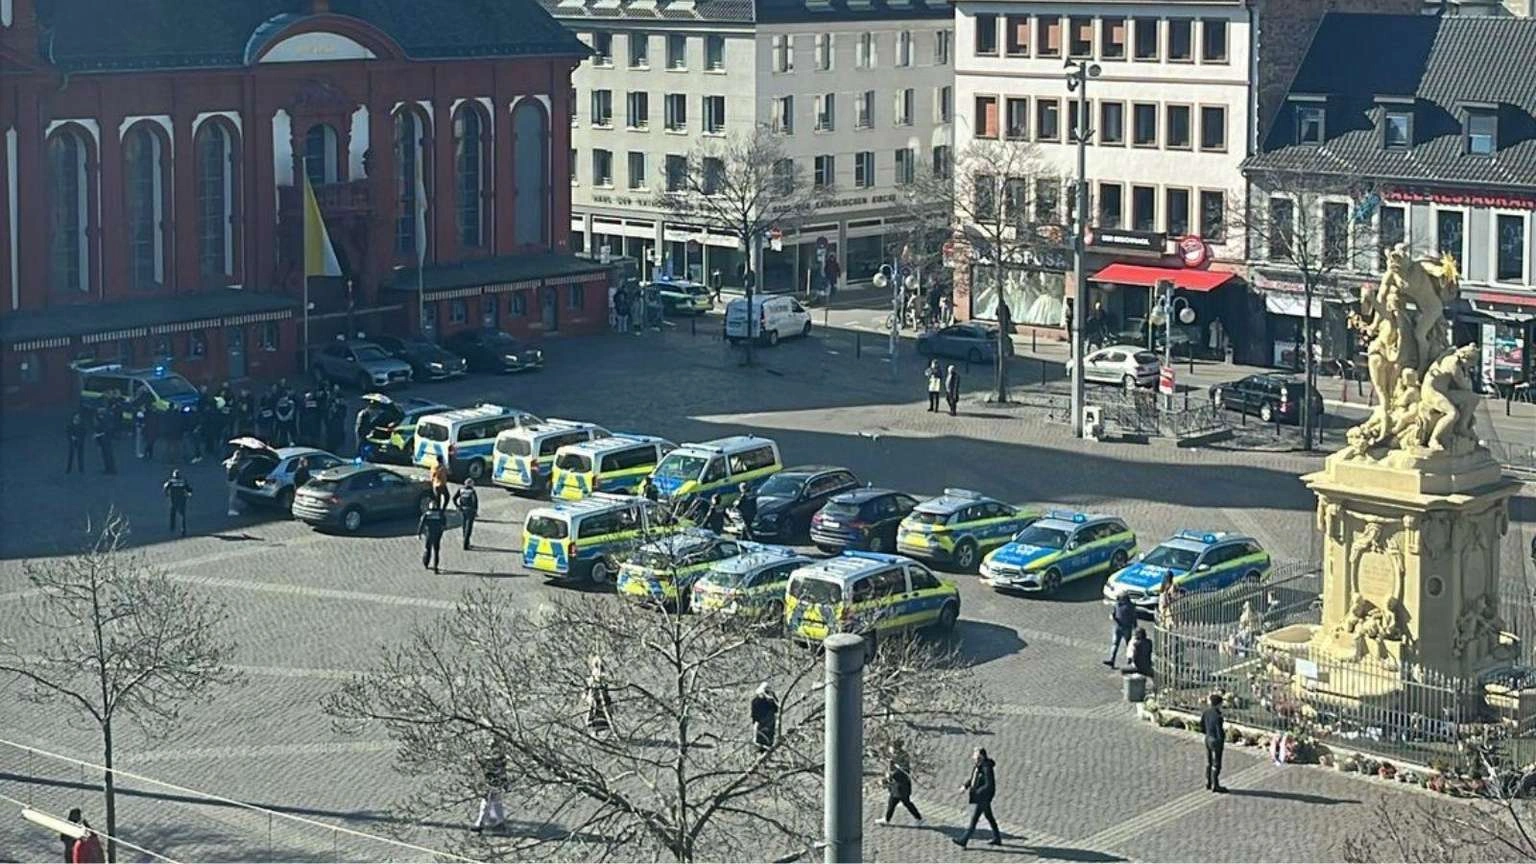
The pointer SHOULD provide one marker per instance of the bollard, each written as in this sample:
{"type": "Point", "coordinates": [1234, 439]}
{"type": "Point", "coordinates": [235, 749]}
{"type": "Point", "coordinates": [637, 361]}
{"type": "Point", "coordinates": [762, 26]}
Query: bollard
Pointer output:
{"type": "Point", "coordinates": [842, 789]}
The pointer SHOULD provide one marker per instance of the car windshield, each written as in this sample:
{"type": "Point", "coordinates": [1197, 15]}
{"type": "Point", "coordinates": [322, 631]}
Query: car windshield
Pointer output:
{"type": "Point", "coordinates": [840, 511]}
{"type": "Point", "coordinates": [783, 485]}
{"type": "Point", "coordinates": [923, 517]}
{"type": "Point", "coordinates": [573, 462]}
{"type": "Point", "coordinates": [659, 559]}
{"type": "Point", "coordinates": [1172, 557]}
{"type": "Point", "coordinates": [1145, 357]}
{"type": "Point", "coordinates": [501, 341]}
{"type": "Point", "coordinates": [172, 386]}
{"type": "Point", "coordinates": [432, 431]}
{"type": "Point", "coordinates": [681, 466]}
{"type": "Point", "coordinates": [1043, 536]}
{"type": "Point", "coordinates": [512, 446]}
{"type": "Point", "coordinates": [547, 526]}
{"type": "Point", "coordinates": [817, 591]}
{"type": "Point", "coordinates": [370, 354]}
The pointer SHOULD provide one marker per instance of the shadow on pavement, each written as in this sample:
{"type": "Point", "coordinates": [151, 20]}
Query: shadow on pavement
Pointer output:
{"type": "Point", "coordinates": [1067, 853]}
{"type": "Point", "coordinates": [1301, 797]}
{"type": "Point", "coordinates": [982, 642]}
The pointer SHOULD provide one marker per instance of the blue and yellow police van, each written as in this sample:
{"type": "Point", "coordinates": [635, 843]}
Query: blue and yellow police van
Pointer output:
{"type": "Point", "coordinates": [1058, 548]}
{"type": "Point", "coordinates": [525, 456]}
{"type": "Point", "coordinates": [619, 463]}
{"type": "Point", "coordinates": [464, 439]}
{"type": "Point", "coordinates": [698, 471]}
{"type": "Point", "coordinates": [586, 540]}
{"type": "Point", "coordinates": [955, 529]}
{"type": "Point", "coordinates": [749, 587]}
{"type": "Point", "coordinates": [1198, 560]}
{"type": "Point", "coordinates": [868, 593]}
{"type": "Point", "coordinates": [663, 571]}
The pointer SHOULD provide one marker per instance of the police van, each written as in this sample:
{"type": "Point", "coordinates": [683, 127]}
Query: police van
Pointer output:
{"type": "Point", "coordinates": [584, 540]}
{"type": "Point", "coordinates": [618, 463]}
{"type": "Point", "coordinates": [525, 456]}
{"type": "Point", "coordinates": [163, 388]}
{"type": "Point", "coordinates": [695, 471]}
{"type": "Point", "coordinates": [868, 593]}
{"type": "Point", "coordinates": [465, 439]}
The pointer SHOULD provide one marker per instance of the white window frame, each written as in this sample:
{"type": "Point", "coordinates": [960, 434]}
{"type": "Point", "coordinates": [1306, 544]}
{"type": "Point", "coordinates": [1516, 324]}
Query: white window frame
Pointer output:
{"type": "Point", "coordinates": [866, 51]}
{"type": "Point", "coordinates": [905, 104]}
{"type": "Point", "coordinates": [826, 51]}
{"type": "Point", "coordinates": [864, 110]}
{"type": "Point", "coordinates": [783, 53]}
{"type": "Point", "coordinates": [943, 104]}
{"type": "Point", "coordinates": [903, 49]}
{"type": "Point", "coordinates": [720, 126]}
{"type": "Point", "coordinates": [784, 114]}
{"type": "Point", "coordinates": [943, 46]}
{"type": "Point", "coordinates": [1351, 253]}
{"type": "Point", "coordinates": [683, 55]}
{"type": "Point", "coordinates": [1376, 230]}
{"type": "Point", "coordinates": [826, 112]}
{"type": "Point", "coordinates": [668, 118]}
{"type": "Point", "coordinates": [633, 183]}
{"type": "Point", "coordinates": [634, 40]}
{"type": "Point", "coordinates": [1466, 231]}
{"type": "Point", "coordinates": [597, 180]}
{"type": "Point", "coordinates": [831, 178]}
{"type": "Point", "coordinates": [629, 111]}
{"type": "Point", "coordinates": [864, 169]}
{"type": "Point", "coordinates": [1493, 247]}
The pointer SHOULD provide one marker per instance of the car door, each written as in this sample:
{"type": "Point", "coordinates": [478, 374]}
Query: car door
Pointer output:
{"type": "Point", "coordinates": [1209, 575]}
{"type": "Point", "coordinates": [894, 509]}
{"type": "Point", "coordinates": [399, 492]}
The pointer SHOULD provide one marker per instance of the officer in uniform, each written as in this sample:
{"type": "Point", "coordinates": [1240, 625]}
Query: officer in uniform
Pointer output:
{"type": "Point", "coordinates": [103, 435]}
{"type": "Point", "coordinates": [75, 432]}
{"type": "Point", "coordinates": [746, 508]}
{"type": "Point", "coordinates": [468, 502]}
{"type": "Point", "coordinates": [335, 424]}
{"type": "Point", "coordinates": [430, 529]}
{"type": "Point", "coordinates": [177, 491]}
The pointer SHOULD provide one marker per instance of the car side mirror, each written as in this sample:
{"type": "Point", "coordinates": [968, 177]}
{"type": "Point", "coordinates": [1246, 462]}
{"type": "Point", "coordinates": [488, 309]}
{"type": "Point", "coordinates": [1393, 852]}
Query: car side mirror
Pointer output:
{"type": "Point", "coordinates": [1202, 568]}
{"type": "Point", "coordinates": [1071, 544]}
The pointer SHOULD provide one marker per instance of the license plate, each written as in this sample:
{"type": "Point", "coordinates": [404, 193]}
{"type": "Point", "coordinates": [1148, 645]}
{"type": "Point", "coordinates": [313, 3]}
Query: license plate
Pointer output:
{"type": "Point", "coordinates": [828, 523]}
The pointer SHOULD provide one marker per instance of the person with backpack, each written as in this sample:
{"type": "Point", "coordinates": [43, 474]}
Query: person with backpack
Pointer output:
{"type": "Point", "coordinates": [468, 502]}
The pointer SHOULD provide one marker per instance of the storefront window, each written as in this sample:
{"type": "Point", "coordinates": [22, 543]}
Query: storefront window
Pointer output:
{"type": "Point", "coordinates": [1034, 296]}
{"type": "Point", "coordinates": [1503, 346]}
{"type": "Point", "coordinates": [865, 255]}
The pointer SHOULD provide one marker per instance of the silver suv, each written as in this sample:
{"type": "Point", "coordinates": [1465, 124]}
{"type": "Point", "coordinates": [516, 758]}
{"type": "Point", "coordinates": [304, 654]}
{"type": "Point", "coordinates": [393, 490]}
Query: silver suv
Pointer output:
{"type": "Point", "coordinates": [362, 364]}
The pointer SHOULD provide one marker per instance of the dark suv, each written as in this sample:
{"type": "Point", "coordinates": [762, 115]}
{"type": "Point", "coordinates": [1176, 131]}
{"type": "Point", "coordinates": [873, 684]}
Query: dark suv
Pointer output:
{"type": "Point", "coordinates": [1269, 396]}
{"type": "Point", "coordinates": [861, 519]}
{"type": "Point", "coordinates": [787, 501]}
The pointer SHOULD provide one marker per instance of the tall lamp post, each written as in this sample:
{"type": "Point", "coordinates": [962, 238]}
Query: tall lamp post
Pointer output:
{"type": "Point", "coordinates": [1168, 308]}
{"type": "Point", "coordinates": [1078, 73]}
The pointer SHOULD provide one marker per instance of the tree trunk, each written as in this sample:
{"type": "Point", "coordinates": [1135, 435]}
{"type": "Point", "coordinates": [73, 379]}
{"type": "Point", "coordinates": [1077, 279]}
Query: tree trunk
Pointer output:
{"type": "Point", "coordinates": [110, 786]}
{"type": "Point", "coordinates": [754, 267]}
{"type": "Point", "coordinates": [1004, 337]}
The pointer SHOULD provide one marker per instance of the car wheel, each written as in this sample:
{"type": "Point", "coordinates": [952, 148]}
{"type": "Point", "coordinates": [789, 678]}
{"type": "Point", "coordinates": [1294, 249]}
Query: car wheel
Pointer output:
{"type": "Point", "coordinates": [1117, 561]}
{"type": "Point", "coordinates": [1129, 381]}
{"type": "Point", "coordinates": [1252, 577]}
{"type": "Point", "coordinates": [948, 615]}
{"type": "Point", "coordinates": [973, 356]}
{"type": "Point", "coordinates": [601, 573]}
{"type": "Point", "coordinates": [876, 543]}
{"type": "Point", "coordinates": [965, 555]}
{"type": "Point", "coordinates": [476, 469]}
{"type": "Point", "coordinates": [773, 337]}
{"type": "Point", "coordinates": [1052, 582]}
{"type": "Point", "coordinates": [806, 330]}
{"type": "Point", "coordinates": [285, 500]}
{"type": "Point", "coordinates": [1267, 412]}
{"type": "Point", "coordinates": [351, 519]}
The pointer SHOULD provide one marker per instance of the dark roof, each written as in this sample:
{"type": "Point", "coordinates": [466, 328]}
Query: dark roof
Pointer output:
{"type": "Point", "coordinates": [104, 35]}
{"type": "Point", "coordinates": [747, 11]}
{"type": "Point", "coordinates": [219, 307]}
{"type": "Point", "coordinates": [1439, 64]}
{"type": "Point", "coordinates": [494, 271]}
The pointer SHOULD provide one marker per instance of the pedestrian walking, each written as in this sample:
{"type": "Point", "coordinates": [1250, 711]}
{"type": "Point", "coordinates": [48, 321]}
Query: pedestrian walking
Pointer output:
{"type": "Point", "coordinates": [898, 785]}
{"type": "Point", "coordinates": [1123, 617]}
{"type": "Point", "coordinates": [980, 790]}
{"type": "Point", "coordinates": [935, 385]}
{"type": "Point", "coordinates": [746, 508]}
{"type": "Point", "coordinates": [69, 839]}
{"type": "Point", "coordinates": [648, 489]}
{"type": "Point", "coordinates": [952, 388]}
{"type": "Point", "coordinates": [468, 502]}
{"type": "Point", "coordinates": [177, 491]}
{"type": "Point", "coordinates": [440, 485]}
{"type": "Point", "coordinates": [598, 699]}
{"type": "Point", "coordinates": [621, 310]}
{"type": "Point", "coordinates": [232, 467]}
{"type": "Point", "coordinates": [765, 717]}
{"type": "Point", "coordinates": [74, 434]}
{"type": "Point", "coordinates": [1141, 654]}
{"type": "Point", "coordinates": [103, 436]}
{"type": "Point", "coordinates": [1214, 725]}
{"type": "Point", "coordinates": [493, 813]}
{"type": "Point", "coordinates": [430, 529]}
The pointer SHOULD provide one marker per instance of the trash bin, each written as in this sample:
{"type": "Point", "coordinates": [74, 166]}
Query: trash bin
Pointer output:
{"type": "Point", "coordinates": [1135, 688]}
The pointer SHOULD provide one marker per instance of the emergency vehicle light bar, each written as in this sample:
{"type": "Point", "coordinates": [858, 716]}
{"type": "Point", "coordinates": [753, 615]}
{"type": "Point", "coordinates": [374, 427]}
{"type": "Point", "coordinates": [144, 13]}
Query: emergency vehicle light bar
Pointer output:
{"type": "Point", "coordinates": [1201, 536]}
{"type": "Point", "coordinates": [1066, 515]}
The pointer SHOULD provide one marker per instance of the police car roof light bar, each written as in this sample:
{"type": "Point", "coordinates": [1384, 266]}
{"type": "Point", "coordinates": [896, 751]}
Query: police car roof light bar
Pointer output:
{"type": "Point", "coordinates": [1066, 515]}
{"type": "Point", "coordinates": [1202, 536]}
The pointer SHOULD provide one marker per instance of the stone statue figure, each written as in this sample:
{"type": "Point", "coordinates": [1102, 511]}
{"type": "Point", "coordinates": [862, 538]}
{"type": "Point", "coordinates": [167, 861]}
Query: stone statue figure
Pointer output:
{"type": "Point", "coordinates": [1447, 403]}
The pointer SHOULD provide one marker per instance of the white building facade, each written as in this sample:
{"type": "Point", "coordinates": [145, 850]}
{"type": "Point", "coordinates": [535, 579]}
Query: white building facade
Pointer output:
{"type": "Point", "coordinates": [860, 92]}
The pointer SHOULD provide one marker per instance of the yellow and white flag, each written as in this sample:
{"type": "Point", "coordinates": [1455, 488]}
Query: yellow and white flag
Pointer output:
{"type": "Point", "coordinates": [319, 254]}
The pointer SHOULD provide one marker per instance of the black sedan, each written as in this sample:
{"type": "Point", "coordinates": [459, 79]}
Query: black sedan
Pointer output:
{"type": "Point", "coordinates": [494, 351]}
{"type": "Point", "coordinates": [861, 519]}
{"type": "Point", "coordinates": [1271, 397]}
{"type": "Point", "coordinates": [787, 501]}
{"type": "Point", "coordinates": [973, 343]}
{"type": "Point", "coordinates": [429, 362]}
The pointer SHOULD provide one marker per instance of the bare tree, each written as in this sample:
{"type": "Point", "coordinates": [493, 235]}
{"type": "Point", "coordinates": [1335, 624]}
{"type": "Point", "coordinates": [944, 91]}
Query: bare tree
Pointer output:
{"type": "Point", "coordinates": [653, 757]}
{"type": "Point", "coordinates": [989, 197]}
{"type": "Point", "coordinates": [111, 635]}
{"type": "Point", "coordinates": [1314, 225]}
{"type": "Point", "coordinates": [741, 186]}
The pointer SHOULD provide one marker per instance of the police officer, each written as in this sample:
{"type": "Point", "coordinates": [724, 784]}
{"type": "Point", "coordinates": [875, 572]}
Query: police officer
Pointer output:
{"type": "Point", "coordinates": [335, 424]}
{"type": "Point", "coordinates": [103, 435]}
{"type": "Point", "coordinates": [746, 508]}
{"type": "Point", "coordinates": [244, 415]}
{"type": "Point", "coordinates": [309, 417]}
{"type": "Point", "coordinates": [430, 529]}
{"type": "Point", "coordinates": [75, 432]}
{"type": "Point", "coordinates": [648, 489]}
{"type": "Point", "coordinates": [468, 502]}
{"type": "Point", "coordinates": [211, 406]}
{"type": "Point", "coordinates": [177, 491]}
{"type": "Point", "coordinates": [264, 414]}
{"type": "Point", "coordinates": [714, 514]}
{"type": "Point", "coordinates": [285, 413]}
{"type": "Point", "coordinates": [366, 417]}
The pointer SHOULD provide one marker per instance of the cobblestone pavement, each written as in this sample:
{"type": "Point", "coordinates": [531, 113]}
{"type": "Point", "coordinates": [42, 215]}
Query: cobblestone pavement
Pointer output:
{"type": "Point", "coordinates": [1079, 778]}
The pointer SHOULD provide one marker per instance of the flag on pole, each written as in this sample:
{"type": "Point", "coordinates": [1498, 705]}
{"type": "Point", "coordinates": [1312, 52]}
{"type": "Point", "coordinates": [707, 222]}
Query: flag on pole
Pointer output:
{"type": "Point", "coordinates": [319, 254]}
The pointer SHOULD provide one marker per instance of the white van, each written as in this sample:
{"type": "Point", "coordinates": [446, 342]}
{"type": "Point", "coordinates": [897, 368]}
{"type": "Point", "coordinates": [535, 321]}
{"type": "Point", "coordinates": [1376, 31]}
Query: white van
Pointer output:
{"type": "Point", "coordinates": [525, 456]}
{"type": "Point", "coordinates": [465, 439]}
{"type": "Point", "coordinates": [771, 318]}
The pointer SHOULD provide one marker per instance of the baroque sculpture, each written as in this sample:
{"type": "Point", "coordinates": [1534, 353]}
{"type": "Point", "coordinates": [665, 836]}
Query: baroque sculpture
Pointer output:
{"type": "Point", "coordinates": [1425, 385]}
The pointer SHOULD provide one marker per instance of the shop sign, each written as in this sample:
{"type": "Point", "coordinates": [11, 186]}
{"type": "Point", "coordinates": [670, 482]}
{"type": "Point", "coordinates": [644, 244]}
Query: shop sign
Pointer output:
{"type": "Point", "coordinates": [1165, 380]}
{"type": "Point", "coordinates": [1453, 198]}
{"type": "Point", "coordinates": [1193, 251]}
{"type": "Point", "coordinates": [1144, 241]}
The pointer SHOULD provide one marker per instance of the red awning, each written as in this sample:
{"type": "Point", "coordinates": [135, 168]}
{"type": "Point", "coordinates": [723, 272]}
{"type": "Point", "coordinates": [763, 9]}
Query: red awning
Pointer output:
{"type": "Point", "coordinates": [1138, 274]}
{"type": "Point", "coordinates": [1498, 297]}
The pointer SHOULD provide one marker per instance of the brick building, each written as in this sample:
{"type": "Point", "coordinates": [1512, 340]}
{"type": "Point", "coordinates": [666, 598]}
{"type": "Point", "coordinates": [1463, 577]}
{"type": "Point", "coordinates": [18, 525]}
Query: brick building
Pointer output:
{"type": "Point", "coordinates": [148, 157]}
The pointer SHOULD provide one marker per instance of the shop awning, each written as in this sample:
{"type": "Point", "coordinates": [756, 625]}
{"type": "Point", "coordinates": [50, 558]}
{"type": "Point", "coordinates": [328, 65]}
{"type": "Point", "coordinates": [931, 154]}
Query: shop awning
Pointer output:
{"type": "Point", "coordinates": [1525, 302]}
{"type": "Point", "coordinates": [1291, 304]}
{"type": "Point", "coordinates": [1148, 277]}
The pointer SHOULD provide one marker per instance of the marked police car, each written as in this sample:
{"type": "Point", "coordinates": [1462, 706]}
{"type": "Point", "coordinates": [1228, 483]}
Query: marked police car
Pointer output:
{"type": "Point", "coordinates": [956, 528]}
{"type": "Point", "coordinates": [867, 593]}
{"type": "Point", "coordinates": [749, 586]}
{"type": "Point", "coordinates": [664, 570]}
{"type": "Point", "coordinates": [1060, 547]}
{"type": "Point", "coordinates": [1199, 561]}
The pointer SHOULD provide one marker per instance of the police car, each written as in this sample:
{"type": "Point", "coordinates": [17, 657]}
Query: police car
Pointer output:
{"type": "Point", "coordinates": [867, 593]}
{"type": "Point", "coordinates": [749, 586]}
{"type": "Point", "coordinates": [956, 528]}
{"type": "Point", "coordinates": [664, 570]}
{"type": "Point", "coordinates": [1060, 547]}
{"type": "Point", "coordinates": [163, 388]}
{"type": "Point", "coordinates": [1198, 560]}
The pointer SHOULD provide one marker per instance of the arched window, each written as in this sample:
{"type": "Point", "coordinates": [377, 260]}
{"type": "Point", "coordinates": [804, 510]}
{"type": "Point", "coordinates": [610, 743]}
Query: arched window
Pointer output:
{"type": "Point", "coordinates": [321, 161]}
{"type": "Point", "coordinates": [469, 171]}
{"type": "Point", "coordinates": [411, 170]}
{"type": "Point", "coordinates": [69, 216]}
{"type": "Point", "coordinates": [530, 168]}
{"type": "Point", "coordinates": [144, 205]}
{"type": "Point", "coordinates": [216, 173]}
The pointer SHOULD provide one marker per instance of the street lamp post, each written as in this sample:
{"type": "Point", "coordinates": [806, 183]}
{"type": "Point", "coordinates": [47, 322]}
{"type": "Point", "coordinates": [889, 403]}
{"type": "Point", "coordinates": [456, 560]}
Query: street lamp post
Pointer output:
{"type": "Point", "coordinates": [1078, 74]}
{"type": "Point", "coordinates": [1167, 309]}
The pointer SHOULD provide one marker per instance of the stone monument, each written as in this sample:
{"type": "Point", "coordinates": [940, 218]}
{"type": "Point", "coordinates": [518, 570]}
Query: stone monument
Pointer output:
{"type": "Point", "coordinates": [1412, 510]}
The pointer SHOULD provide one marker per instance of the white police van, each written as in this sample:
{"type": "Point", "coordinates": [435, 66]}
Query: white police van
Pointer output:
{"type": "Point", "coordinates": [464, 439]}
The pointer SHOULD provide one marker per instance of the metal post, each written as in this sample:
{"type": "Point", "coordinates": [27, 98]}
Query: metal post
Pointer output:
{"type": "Point", "coordinates": [896, 309]}
{"type": "Point", "coordinates": [1311, 374]}
{"type": "Point", "coordinates": [306, 322]}
{"type": "Point", "coordinates": [1168, 336]}
{"type": "Point", "coordinates": [842, 792]}
{"type": "Point", "coordinates": [1079, 77]}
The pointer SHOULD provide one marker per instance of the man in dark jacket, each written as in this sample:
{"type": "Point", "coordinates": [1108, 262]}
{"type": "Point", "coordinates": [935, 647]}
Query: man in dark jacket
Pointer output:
{"type": "Point", "coordinates": [1215, 728]}
{"type": "Point", "coordinates": [1124, 618]}
{"type": "Point", "coordinates": [285, 412]}
{"type": "Point", "coordinates": [765, 717]}
{"type": "Point", "coordinates": [746, 508]}
{"type": "Point", "coordinates": [103, 435]}
{"type": "Point", "coordinates": [952, 388]}
{"type": "Point", "coordinates": [75, 433]}
{"type": "Point", "coordinates": [898, 786]}
{"type": "Point", "coordinates": [335, 423]}
{"type": "Point", "coordinates": [648, 489]}
{"type": "Point", "coordinates": [1141, 654]}
{"type": "Point", "coordinates": [177, 491]}
{"type": "Point", "coordinates": [714, 514]}
{"type": "Point", "coordinates": [981, 788]}
{"type": "Point", "coordinates": [468, 502]}
{"type": "Point", "coordinates": [367, 417]}
{"type": "Point", "coordinates": [430, 529]}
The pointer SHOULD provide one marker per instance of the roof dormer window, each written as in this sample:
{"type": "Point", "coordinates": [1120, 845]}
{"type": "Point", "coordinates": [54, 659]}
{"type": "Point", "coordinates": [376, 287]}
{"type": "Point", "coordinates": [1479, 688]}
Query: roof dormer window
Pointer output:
{"type": "Point", "coordinates": [1482, 132]}
{"type": "Point", "coordinates": [1397, 128]}
{"type": "Point", "coordinates": [1309, 123]}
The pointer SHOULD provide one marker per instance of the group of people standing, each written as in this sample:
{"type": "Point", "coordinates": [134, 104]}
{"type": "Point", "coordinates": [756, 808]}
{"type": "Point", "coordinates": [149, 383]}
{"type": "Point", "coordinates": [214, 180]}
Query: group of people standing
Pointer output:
{"type": "Point", "coordinates": [945, 383]}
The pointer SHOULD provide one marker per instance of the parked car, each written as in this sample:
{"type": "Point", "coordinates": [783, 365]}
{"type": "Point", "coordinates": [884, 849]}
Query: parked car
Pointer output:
{"type": "Point", "coordinates": [1126, 365]}
{"type": "Point", "coordinates": [770, 319]}
{"type": "Point", "coordinates": [973, 343]}
{"type": "Point", "coordinates": [428, 360]}
{"type": "Point", "coordinates": [350, 496]}
{"type": "Point", "coordinates": [787, 501]}
{"type": "Point", "coordinates": [363, 364]}
{"type": "Point", "coordinates": [864, 519]}
{"type": "Point", "coordinates": [269, 477]}
{"type": "Point", "coordinates": [681, 297]}
{"type": "Point", "coordinates": [1270, 396]}
{"type": "Point", "coordinates": [489, 350]}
